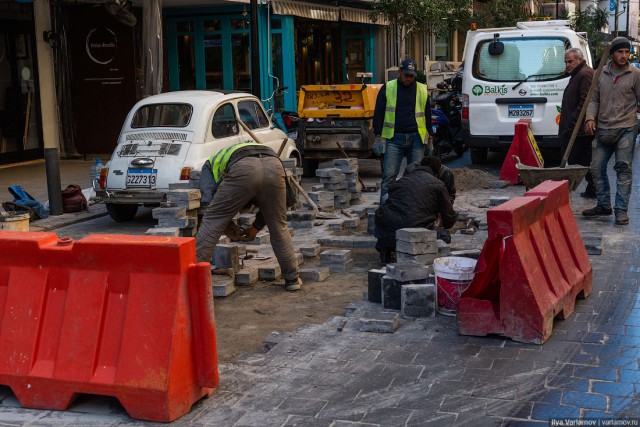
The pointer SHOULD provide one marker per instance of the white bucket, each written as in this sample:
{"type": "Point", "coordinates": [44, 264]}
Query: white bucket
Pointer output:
{"type": "Point", "coordinates": [453, 276]}
{"type": "Point", "coordinates": [14, 221]}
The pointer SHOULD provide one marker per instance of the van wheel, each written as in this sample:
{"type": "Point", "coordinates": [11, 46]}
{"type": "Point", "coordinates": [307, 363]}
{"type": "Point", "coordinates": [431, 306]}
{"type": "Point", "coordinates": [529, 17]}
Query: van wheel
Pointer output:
{"type": "Point", "coordinates": [309, 167]}
{"type": "Point", "coordinates": [121, 213]}
{"type": "Point", "coordinates": [479, 156]}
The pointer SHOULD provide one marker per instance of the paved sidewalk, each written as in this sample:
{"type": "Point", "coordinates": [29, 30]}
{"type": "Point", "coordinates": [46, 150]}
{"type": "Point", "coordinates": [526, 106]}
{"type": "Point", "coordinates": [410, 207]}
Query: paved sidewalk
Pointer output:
{"type": "Point", "coordinates": [425, 373]}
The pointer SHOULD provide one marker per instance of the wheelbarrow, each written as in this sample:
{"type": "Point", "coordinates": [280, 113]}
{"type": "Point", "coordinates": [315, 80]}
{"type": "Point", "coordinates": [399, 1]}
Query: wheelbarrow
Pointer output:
{"type": "Point", "coordinates": [532, 176]}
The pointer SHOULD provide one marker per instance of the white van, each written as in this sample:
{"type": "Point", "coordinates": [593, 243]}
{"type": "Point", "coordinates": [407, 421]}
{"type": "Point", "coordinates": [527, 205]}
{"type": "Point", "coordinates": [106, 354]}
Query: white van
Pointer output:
{"type": "Point", "coordinates": [514, 73]}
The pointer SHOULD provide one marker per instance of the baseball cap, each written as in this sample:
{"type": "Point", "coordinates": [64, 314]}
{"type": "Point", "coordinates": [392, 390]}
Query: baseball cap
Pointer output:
{"type": "Point", "coordinates": [409, 67]}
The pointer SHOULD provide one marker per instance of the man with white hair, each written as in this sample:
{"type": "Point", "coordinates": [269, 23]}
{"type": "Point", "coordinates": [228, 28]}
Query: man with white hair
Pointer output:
{"type": "Point", "coordinates": [572, 102]}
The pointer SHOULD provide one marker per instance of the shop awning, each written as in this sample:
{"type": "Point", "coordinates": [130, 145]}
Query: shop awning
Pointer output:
{"type": "Point", "coordinates": [359, 15]}
{"type": "Point", "coordinates": [305, 10]}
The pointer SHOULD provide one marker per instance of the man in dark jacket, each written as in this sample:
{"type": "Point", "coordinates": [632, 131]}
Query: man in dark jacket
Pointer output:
{"type": "Point", "coordinates": [415, 201]}
{"type": "Point", "coordinates": [443, 173]}
{"type": "Point", "coordinates": [572, 102]}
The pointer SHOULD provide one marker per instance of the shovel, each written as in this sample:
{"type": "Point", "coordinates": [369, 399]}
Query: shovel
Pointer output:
{"type": "Point", "coordinates": [532, 176]}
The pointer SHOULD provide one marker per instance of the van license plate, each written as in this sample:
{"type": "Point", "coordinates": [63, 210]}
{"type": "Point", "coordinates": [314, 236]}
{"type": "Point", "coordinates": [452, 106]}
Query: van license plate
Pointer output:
{"type": "Point", "coordinates": [141, 178]}
{"type": "Point", "coordinates": [519, 111]}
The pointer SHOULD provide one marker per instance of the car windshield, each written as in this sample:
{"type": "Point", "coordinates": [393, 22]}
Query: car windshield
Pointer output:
{"type": "Point", "coordinates": [532, 59]}
{"type": "Point", "coordinates": [165, 115]}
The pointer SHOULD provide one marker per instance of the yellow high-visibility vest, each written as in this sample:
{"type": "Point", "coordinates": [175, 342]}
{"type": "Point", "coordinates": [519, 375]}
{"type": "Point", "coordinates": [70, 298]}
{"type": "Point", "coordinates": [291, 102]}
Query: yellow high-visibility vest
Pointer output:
{"type": "Point", "coordinates": [388, 127]}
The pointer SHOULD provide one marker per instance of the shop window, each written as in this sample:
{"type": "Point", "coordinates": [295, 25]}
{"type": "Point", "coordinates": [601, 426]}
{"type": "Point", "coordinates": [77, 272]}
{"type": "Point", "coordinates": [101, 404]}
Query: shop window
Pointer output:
{"type": "Point", "coordinates": [213, 61]}
{"type": "Point", "coordinates": [240, 57]}
{"type": "Point", "coordinates": [186, 62]}
{"type": "Point", "coordinates": [442, 48]}
{"type": "Point", "coordinates": [239, 24]}
{"type": "Point", "coordinates": [214, 25]}
{"type": "Point", "coordinates": [184, 27]}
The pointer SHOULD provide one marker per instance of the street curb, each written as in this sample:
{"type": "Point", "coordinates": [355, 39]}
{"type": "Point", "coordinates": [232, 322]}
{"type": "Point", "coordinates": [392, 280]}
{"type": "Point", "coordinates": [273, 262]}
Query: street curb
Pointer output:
{"type": "Point", "coordinates": [59, 221]}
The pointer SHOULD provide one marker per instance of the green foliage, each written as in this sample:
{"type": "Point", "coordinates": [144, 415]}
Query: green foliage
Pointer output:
{"type": "Point", "coordinates": [591, 21]}
{"type": "Point", "coordinates": [503, 13]}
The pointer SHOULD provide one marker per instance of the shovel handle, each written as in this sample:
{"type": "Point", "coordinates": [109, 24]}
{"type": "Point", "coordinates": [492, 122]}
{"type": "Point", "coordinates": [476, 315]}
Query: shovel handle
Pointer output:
{"type": "Point", "coordinates": [585, 104]}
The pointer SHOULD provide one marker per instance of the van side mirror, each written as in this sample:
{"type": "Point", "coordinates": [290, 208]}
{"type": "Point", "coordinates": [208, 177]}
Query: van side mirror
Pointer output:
{"type": "Point", "coordinates": [496, 47]}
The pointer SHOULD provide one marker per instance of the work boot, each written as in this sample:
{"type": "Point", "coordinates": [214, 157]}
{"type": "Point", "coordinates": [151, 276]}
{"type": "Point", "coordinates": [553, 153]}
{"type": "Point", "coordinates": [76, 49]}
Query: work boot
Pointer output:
{"type": "Point", "coordinates": [293, 284]}
{"type": "Point", "coordinates": [622, 218]}
{"type": "Point", "coordinates": [597, 211]}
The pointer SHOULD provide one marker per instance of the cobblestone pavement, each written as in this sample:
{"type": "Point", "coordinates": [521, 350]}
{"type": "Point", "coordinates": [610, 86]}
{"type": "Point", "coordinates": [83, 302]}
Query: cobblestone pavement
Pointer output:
{"type": "Point", "coordinates": [425, 373]}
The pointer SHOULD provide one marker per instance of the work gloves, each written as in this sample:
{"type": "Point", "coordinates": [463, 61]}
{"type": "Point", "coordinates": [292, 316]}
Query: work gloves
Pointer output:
{"type": "Point", "coordinates": [379, 146]}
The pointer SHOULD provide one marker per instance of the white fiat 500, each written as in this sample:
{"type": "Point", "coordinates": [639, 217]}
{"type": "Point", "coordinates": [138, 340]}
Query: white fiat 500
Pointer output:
{"type": "Point", "coordinates": [167, 136]}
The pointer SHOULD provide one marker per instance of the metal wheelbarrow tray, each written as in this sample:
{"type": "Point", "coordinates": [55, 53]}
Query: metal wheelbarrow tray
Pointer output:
{"type": "Point", "coordinates": [532, 176]}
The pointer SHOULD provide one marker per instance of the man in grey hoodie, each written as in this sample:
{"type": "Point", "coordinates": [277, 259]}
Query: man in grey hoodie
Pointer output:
{"type": "Point", "coordinates": [611, 115]}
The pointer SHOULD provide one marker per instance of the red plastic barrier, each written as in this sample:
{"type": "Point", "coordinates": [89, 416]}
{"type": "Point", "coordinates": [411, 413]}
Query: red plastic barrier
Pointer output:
{"type": "Point", "coordinates": [123, 316]}
{"type": "Point", "coordinates": [531, 269]}
{"type": "Point", "coordinates": [525, 147]}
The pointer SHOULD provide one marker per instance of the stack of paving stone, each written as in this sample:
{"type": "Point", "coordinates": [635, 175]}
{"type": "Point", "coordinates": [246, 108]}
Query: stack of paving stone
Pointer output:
{"type": "Point", "coordinates": [178, 216]}
{"type": "Point", "coordinates": [338, 260]}
{"type": "Point", "coordinates": [301, 219]}
{"type": "Point", "coordinates": [416, 244]}
{"type": "Point", "coordinates": [405, 286]}
{"type": "Point", "coordinates": [341, 181]}
{"type": "Point", "coordinates": [350, 168]}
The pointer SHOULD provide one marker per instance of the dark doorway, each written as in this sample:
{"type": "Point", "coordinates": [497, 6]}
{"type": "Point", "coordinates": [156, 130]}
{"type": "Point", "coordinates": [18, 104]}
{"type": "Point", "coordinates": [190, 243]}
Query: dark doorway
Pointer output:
{"type": "Point", "coordinates": [102, 56]}
{"type": "Point", "coordinates": [20, 130]}
{"type": "Point", "coordinates": [317, 52]}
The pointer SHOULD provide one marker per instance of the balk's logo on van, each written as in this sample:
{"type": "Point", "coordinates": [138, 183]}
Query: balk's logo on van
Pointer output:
{"type": "Point", "coordinates": [495, 90]}
{"type": "Point", "coordinates": [477, 90]}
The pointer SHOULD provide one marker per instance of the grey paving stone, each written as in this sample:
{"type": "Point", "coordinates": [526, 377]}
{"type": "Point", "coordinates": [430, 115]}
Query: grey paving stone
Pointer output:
{"type": "Point", "coordinates": [300, 406]}
{"type": "Point", "coordinates": [416, 235]}
{"type": "Point", "coordinates": [378, 322]}
{"type": "Point", "coordinates": [261, 418]}
{"type": "Point", "coordinates": [340, 267]}
{"type": "Point", "coordinates": [223, 289]}
{"type": "Point", "coordinates": [310, 250]}
{"type": "Point", "coordinates": [387, 416]}
{"type": "Point", "coordinates": [335, 256]}
{"type": "Point", "coordinates": [407, 271]}
{"type": "Point", "coordinates": [247, 276]}
{"type": "Point", "coordinates": [272, 272]}
{"type": "Point", "coordinates": [168, 212]}
{"type": "Point", "coordinates": [418, 300]}
{"type": "Point", "coordinates": [416, 248]}
{"type": "Point", "coordinates": [374, 284]}
{"type": "Point", "coordinates": [315, 274]}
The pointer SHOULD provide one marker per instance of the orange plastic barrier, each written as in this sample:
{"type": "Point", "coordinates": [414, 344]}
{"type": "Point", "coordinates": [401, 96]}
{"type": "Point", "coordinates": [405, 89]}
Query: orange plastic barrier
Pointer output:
{"type": "Point", "coordinates": [123, 316]}
{"type": "Point", "coordinates": [531, 269]}
{"type": "Point", "coordinates": [525, 147]}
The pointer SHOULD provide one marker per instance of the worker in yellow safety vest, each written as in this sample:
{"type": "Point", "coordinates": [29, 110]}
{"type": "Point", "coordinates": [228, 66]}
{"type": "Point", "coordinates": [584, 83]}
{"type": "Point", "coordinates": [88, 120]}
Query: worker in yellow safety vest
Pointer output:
{"type": "Point", "coordinates": [243, 174]}
{"type": "Point", "coordinates": [400, 123]}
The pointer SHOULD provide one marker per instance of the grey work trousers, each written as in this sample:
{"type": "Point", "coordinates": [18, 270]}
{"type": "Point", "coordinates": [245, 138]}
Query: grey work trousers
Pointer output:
{"type": "Point", "coordinates": [259, 180]}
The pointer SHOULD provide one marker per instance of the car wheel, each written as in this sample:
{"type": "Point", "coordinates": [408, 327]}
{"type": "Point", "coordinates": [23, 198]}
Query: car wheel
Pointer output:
{"type": "Point", "coordinates": [479, 156]}
{"type": "Point", "coordinates": [121, 213]}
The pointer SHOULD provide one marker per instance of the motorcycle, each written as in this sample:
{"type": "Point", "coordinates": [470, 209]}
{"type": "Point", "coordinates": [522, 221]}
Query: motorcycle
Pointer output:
{"type": "Point", "coordinates": [446, 122]}
{"type": "Point", "coordinates": [290, 120]}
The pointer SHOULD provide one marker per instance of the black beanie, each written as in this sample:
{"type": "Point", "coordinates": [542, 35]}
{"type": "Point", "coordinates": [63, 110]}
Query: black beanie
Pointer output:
{"type": "Point", "coordinates": [619, 43]}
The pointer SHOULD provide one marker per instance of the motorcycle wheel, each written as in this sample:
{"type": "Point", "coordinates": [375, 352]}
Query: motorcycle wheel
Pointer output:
{"type": "Point", "coordinates": [460, 149]}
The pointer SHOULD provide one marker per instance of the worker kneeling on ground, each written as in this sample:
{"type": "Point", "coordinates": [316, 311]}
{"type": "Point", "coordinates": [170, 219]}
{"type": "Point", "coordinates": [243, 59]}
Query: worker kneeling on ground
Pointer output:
{"type": "Point", "coordinates": [247, 173]}
{"type": "Point", "coordinates": [414, 201]}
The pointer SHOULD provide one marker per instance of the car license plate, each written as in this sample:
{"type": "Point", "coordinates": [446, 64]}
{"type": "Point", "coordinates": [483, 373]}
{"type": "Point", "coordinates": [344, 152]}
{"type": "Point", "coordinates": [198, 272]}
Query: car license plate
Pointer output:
{"type": "Point", "coordinates": [142, 178]}
{"type": "Point", "coordinates": [519, 111]}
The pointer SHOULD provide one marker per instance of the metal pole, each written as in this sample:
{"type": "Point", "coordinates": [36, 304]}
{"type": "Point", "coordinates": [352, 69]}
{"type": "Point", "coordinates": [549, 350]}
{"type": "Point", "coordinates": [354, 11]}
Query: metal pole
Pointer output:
{"type": "Point", "coordinates": [557, 8]}
{"type": "Point", "coordinates": [255, 50]}
{"type": "Point", "coordinates": [616, 18]}
{"type": "Point", "coordinates": [48, 105]}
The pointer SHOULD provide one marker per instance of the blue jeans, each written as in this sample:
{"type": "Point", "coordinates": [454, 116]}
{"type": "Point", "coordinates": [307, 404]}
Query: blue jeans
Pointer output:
{"type": "Point", "coordinates": [402, 145]}
{"type": "Point", "coordinates": [602, 152]}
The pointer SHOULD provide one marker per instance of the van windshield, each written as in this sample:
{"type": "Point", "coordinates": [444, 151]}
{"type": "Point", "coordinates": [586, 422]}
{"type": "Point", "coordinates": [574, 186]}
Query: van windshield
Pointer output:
{"type": "Point", "coordinates": [533, 59]}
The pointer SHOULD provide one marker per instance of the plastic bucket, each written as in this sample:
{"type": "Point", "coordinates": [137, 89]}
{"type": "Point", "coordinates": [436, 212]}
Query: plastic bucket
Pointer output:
{"type": "Point", "coordinates": [14, 221]}
{"type": "Point", "coordinates": [453, 276]}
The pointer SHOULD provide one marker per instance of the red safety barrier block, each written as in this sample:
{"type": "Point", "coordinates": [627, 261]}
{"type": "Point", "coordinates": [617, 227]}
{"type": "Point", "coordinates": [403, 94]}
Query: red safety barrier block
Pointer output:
{"type": "Point", "coordinates": [115, 315]}
{"type": "Point", "coordinates": [525, 147]}
{"type": "Point", "coordinates": [531, 269]}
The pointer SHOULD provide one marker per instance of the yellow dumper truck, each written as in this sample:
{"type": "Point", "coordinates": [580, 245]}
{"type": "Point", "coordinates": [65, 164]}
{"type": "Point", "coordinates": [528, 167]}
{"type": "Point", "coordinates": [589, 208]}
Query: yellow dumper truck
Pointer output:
{"type": "Point", "coordinates": [332, 115]}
